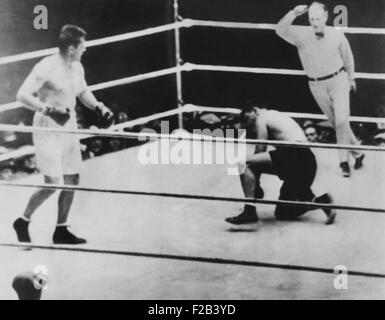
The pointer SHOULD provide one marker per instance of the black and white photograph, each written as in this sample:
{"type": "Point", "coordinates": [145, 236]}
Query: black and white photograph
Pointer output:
{"type": "Point", "coordinates": [192, 150]}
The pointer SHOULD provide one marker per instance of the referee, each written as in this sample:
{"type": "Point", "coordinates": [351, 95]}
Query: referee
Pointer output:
{"type": "Point", "coordinates": [328, 61]}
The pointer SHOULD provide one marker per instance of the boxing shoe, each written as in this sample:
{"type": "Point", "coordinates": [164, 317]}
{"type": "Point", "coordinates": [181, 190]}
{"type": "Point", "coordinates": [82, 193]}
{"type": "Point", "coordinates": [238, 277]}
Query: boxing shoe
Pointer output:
{"type": "Point", "coordinates": [63, 236]}
{"type": "Point", "coordinates": [330, 213]}
{"type": "Point", "coordinates": [359, 162]}
{"type": "Point", "coordinates": [21, 227]}
{"type": "Point", "coordinates": [345, 169]}
{"type": "Point", "coordinates": [248, 215]}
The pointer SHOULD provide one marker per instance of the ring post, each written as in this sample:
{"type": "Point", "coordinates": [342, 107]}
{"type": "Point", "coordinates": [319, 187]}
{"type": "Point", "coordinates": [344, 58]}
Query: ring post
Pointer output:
{"type": "Point", "coordinates": [178, 62]}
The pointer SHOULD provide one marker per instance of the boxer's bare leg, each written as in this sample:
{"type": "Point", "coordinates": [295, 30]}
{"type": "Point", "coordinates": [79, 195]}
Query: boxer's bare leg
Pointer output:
{"type": "Point", "coordinates": [248, 182]}
{"type": "Point", "coordinates": [262, 160]}
{"type": "Point", "coordinates": [66, 198]}
{"type": "Point", "coordinates": [39, 197]}
{"type": "Point", "coordinates": [62, 235]}
{"type": "Point", "coordinates": [263, 164]}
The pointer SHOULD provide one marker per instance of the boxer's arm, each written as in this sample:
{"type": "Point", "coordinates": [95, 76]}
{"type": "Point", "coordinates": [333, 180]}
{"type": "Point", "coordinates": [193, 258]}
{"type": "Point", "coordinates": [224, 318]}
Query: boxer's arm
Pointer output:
{"type": "Point", "coordinates": [88, 99]}
{"type": "Point", "coordinates": [85, 94]}
{"type": "Point", "coordinates": [262, 134]}
{"type": "Point", "coordinates": [27, 93]}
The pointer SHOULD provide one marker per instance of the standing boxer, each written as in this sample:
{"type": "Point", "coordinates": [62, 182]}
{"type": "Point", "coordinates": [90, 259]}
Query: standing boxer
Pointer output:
{"type": "Point", "coordinates": [51, 90]}
{"type": "Point", "coordinates": [328, 61]}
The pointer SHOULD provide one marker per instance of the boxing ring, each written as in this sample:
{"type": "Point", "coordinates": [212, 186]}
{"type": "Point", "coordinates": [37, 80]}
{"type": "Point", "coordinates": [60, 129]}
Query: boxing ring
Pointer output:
{"type": "Point", "coordinates": [163, 235]}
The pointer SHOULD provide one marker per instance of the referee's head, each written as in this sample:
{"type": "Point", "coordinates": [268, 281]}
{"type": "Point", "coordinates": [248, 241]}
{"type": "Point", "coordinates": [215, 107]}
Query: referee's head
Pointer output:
{"type": "Point", "coordinates": [318, 16]}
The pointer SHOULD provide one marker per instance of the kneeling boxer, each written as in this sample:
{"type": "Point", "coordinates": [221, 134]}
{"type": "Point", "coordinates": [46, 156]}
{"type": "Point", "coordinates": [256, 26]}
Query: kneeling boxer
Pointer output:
{"type": "Point", "coordinates": [295, 166]}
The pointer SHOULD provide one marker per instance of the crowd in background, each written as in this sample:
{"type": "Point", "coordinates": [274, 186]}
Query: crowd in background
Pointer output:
{"type": "Point", "coordinates": [315, 131]}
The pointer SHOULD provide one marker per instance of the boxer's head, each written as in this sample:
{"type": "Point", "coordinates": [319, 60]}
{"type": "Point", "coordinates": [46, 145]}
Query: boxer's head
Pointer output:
{"type": "Point", "coordinates": [318, 16]}
{"type": "Point", "coordinates": [311, 134]}
{"type": "Point", "coordinates": [72, 42]}
{"type": "Point", "coordinates": [249, 117]}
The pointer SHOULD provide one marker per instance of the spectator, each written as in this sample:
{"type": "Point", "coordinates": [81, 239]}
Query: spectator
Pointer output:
{"type": "Point", "coordinates": [189, 121]}
{"type": "Point", "coordinates": [380, 139]}
{"type": "Point", "coordinates": [308, 123]}
{"type": "Point", "coordinates": [96, 146]}
{"type": "Point", "coordinates": [82, 122]}
{"type": "Point", "coordinates": [3, 149]}
{"type": "Point", "coordinates": [23, 138]}
{"type": "Point", "coordinates": [115, 144]}
{"type": "Point", "coordinates": [118, 144]}
{"type": "Point", "coordinates": [9, 139]}
{"type": "Point", "coordinates": [210, 121]}
{"type": "Point", "coordinates": [121, 117]}
{"type": "Point", "coordinates": [311, 134]}
{"type": "Point", "coordinates": [27, 164]}
{"type": "Point", "coordinates": [7, 170]}
{"type": "Point", "coordinates": [326, 132]}
{"type": "Point", "coordinates": [365, 132]}
{"type": "Point", "coordinates": [153, 125]}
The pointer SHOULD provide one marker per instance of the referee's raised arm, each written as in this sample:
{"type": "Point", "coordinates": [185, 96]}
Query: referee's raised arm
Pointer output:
{"type": "Point", "coordinates": [284, 27]}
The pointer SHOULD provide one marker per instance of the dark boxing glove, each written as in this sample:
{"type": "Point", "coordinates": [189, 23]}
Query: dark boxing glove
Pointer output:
{"type": "Point", "coordinates": [105, 116]}
{"type": "Point", "coordinates": [58, 114]}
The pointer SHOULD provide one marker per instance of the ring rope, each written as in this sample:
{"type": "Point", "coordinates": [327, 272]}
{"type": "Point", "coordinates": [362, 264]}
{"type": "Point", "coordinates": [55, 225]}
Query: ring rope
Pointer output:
{"type": "Point", "coordinates": [310, 205]}
{"type": "Point", "coordinates": [108, 84]}
{"type": "Point", "coordinates": [93, 43]}
{"type": "Point", "coordinates": [192, 67]}
{"type": "Point", "coordinates": [153, 30]}
{"type": "Point", "coordinates": [290, 114]}
{"type": "Point", "coordinates": [270, 26]}
{"type": "Point", "coordinates": [19, 153]}
{"type": "Point", "coordinates": [201, 67]}
{"type": "Point", "coordinates": [144, 120]}
{"type": "Point", "coordinates": [132, 79]}
{"type": "Point", "coordinates": [191, 107]}
{"type": "Point", "coordinates": [146, 136]}
{"type": "Point", "coordinates": [192, 258]}
{"type": "Point", "coordinates": [30, 150]}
